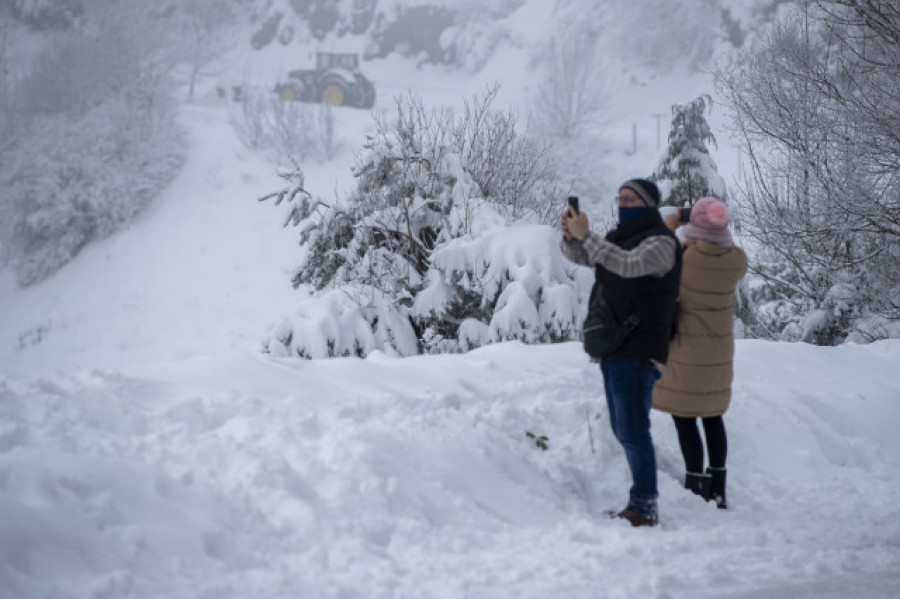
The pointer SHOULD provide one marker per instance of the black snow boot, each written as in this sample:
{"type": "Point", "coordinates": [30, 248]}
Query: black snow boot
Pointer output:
{"type": "Point", "coordinates": [698, 484]}
{"type": "Point", "coordinates": [717, 487]}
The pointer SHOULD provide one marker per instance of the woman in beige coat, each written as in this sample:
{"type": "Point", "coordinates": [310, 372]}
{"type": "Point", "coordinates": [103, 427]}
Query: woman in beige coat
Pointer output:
{"type": "Point", "coordinates": [696, 380]}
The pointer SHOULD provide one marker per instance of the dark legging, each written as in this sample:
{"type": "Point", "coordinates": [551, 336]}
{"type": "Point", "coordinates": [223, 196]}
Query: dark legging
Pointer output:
{"type": "Point", "coordinates": [692, 444]}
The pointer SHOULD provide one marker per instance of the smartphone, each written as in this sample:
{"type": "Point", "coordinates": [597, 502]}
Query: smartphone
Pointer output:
{"type": "Point", "coordinates": [686, 215]}
{"type": "Point", "coordinates": [573, 204]}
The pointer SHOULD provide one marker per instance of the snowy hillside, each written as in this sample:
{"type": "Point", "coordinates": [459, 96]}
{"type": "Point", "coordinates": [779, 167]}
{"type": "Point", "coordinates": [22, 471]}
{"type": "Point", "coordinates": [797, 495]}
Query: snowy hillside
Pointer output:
{"type": "Point", "coordinates": [208, 268]}
{"type": "Point", "coordinates": [148, 450]}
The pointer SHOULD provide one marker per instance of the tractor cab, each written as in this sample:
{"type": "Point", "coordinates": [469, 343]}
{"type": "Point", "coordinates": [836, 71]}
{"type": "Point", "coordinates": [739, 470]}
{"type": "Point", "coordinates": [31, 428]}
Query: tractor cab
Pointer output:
{"type": "Point", "coordinates": [327, 60]}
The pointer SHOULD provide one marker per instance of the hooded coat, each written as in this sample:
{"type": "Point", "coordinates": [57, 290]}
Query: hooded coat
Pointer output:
{"type": "Point", "coordinates": [696, 380]}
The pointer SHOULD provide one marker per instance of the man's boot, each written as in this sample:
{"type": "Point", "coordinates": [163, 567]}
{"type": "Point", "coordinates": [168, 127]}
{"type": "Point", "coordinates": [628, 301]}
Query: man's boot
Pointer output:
{"type": "Point", "coordinates": [699, 484]}
{"type": "Point", "coordinates": [636, 518]}
{"type": "Point", "coordinates": [717, 487]}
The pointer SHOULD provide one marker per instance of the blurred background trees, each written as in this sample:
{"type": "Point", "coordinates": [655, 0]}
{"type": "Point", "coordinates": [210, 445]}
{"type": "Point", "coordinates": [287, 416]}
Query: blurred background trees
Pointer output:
{"type": "Point", "coordinates": [816, 103]}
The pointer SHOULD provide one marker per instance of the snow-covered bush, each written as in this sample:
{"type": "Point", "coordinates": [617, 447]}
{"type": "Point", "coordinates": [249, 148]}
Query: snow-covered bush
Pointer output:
{"type": "Point", "coordinates": [873, 327]}
{"type": "Point", "coordinates": [95, 140]}
{"type": "Point", "coordinates": [507, 283]}
{"type": "Point", "coordinates": [43, 15]}
{"type": "Point", "coordinates": [348, 321]}
{"type": "Point", "coordinates": [446, 241]}
{"type": "Point", "coordinates": [814, 303]}
{"type": "Point", "coordinates": [278, 128]}
{"type": "Point", "coordinates": [63, 193]}
{"type": "Point", "coordinates": [413, 31]}
{"type": "Point", "coordinates": [459, 32]}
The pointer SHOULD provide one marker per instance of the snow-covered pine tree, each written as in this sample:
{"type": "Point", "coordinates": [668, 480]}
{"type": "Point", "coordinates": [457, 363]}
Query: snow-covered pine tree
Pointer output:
{"type": "Point", "coordinates": [509, 283]}
{"type": "Point", "coordinates": [444, 245]}
{"type": "Point", "coordinates": [686, 171]}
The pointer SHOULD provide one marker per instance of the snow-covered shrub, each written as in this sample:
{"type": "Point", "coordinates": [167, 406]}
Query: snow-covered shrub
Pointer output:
{"type": "Point", "coordinates": [447, 233]}
{"type": "Point", "coordinates": [304, 21]}
{"type": "Point", "coordinates": [95, 137]}
{"type": "Point", "coordinates": [342, 322]}
{"type": "Point", "coordinates": [787, 300]}
{"type": "Point", "coordinates": [278, 128]}
{"type": "Point", "coordinates": [74, 182]}
{"type": "Point", "coordinates": [507, 283]}
{"type": "Point", "coordinates": [874, 327]}
{"type": "Point", "coordinates": [413, 31]}
{"type": "Point", "coordinates": [43, 15]}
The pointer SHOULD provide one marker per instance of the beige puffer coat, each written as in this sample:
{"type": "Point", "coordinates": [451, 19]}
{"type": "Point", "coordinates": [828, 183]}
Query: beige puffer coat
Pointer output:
{"type": "Point", "coordinates": [696, 380]}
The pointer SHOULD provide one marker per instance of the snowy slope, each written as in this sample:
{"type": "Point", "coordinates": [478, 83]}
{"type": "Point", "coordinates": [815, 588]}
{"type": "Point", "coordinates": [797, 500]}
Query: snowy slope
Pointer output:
{"type": "Point", "coordinates": [147, 450]}
{"type": "Point", "coordinates": [204, 270]}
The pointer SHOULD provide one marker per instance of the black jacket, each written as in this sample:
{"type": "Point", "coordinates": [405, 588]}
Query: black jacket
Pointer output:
{"type": "Point", "coordinates": [651, 298]}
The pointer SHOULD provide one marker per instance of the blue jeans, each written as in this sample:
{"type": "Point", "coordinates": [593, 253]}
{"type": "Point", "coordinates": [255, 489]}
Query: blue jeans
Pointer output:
{"type": "Point", "coordinates": [629, 392]}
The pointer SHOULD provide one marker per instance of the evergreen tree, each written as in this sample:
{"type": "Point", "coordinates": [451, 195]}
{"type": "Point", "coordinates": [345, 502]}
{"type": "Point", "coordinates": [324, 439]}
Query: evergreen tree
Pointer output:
{"type": "Point", "coordinates": [686, 172]}
{"type": "Point", "coordinates": [421, 182]}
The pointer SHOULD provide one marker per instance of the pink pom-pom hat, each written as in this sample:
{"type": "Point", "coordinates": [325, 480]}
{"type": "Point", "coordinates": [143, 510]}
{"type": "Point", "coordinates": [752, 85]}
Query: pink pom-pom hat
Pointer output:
{"type": "Point", "coordinates": [709, 221]}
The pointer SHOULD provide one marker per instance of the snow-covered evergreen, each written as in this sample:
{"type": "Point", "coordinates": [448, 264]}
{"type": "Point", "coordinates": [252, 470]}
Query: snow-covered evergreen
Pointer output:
{"type": "Point", "coordinates": [508, 283]}
{"type": "Point", "coordinates": [687, 172]}
{"type": "Point", "coordinates": [421, 245]}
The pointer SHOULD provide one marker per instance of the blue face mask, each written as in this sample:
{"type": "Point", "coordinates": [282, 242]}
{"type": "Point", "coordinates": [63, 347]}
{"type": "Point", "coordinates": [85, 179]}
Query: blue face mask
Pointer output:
{"type": "Point", "coordinates": [627, 214]}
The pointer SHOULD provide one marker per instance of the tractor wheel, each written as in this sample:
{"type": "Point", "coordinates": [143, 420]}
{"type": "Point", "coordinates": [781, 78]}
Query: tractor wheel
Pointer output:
{"type": "Point", "coordinates": [288, 93]}
{"type": "Point", "coordinates": [333, 95]}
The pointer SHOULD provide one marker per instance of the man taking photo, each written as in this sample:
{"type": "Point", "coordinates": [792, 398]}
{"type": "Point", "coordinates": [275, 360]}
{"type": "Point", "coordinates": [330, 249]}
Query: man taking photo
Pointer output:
{"type": "Point", "coordinates": [637, 267]}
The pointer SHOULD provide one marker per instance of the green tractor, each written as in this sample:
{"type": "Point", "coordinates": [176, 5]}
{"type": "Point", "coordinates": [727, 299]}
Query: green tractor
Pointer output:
{"type": "Point", "coordinates": [336, 81]}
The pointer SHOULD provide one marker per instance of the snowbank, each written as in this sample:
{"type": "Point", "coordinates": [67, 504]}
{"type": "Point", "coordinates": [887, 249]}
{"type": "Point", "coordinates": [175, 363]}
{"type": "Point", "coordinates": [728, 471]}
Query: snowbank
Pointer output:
{"type": "Point", "coordinates": [384, 477]}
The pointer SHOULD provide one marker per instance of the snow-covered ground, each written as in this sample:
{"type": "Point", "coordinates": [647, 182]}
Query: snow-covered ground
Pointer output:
{"type": "Point", "coordinates": [238, 476]}
{"type": "Point", "coordinates": [148, 451]}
